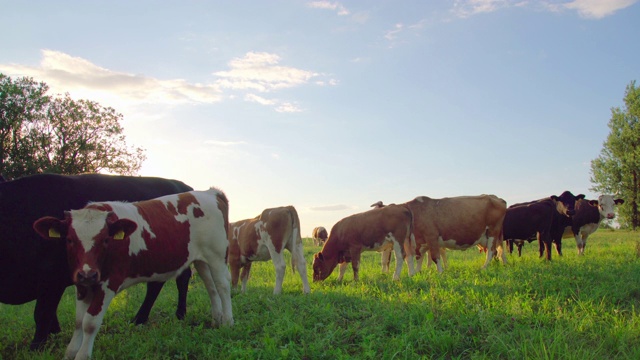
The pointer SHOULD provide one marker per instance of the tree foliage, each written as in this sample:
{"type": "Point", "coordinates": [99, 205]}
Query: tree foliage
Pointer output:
{"type": "Point", "coordinates": [617, 168]}
{"type": "Point", "coordinates": [40, 133]}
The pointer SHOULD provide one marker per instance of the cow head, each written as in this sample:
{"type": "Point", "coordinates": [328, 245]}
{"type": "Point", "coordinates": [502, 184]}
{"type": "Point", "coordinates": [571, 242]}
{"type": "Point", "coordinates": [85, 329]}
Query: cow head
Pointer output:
{"type": "Point", "coordinates": [322, 268]}
{"type": "Point", "coordinates": [606, 206]}
{"type": "Point", "coordinates": [566, 202]}
{"type": "Point", "coordinates": [88, 233]}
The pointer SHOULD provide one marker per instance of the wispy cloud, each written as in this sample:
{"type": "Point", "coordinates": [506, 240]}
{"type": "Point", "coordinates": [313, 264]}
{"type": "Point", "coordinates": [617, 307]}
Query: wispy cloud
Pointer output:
{"type": "Point", "coordinates": [591, 9]}
{"type": "Point", "coordinates": [328, 5]}
{"type": "Point", "coordinates": [260, 71]}
{"type": "Point", "coordinates": [255, 71]}
{"type": "Point", "coordinates": [400, 29]}
{"type": "Point", "coordinates": [65, 73]}
{"type": "Point", "coordinates": [597, 9]}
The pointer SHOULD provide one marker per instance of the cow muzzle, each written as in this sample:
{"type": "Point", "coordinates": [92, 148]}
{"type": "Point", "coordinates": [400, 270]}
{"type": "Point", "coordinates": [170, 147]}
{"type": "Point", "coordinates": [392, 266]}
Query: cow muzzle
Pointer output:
{"type": "Point", "coordinates": [87, 278]}
{"type": "Point", "coordinates": [611, 216]}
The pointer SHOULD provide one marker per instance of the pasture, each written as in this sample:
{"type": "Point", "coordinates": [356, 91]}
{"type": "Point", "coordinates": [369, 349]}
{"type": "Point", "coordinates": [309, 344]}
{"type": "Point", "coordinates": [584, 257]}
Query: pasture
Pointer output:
{"type": "Point", "coordinates": [571, 308]}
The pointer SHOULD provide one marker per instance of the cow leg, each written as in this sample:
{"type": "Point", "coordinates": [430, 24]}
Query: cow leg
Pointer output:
{"type": "Point", "coordinates": [216, 277]}
{"type": "Point", "coordinates": [397, 248]}
{"type": "Point", "coordinates": [244, 275]}
{"type": "Point", "coordinates": [182, 283]}
{"type": "Point", "coordinates": [87, 325]}
{"type": "Point", "coordinates": [580, 243]}
{"type": "Point", "coordinates": [343, 270]}
{"type": "Point", "coordinates": [491, 250]}
{"type": "Point", "coordinates": [510, 243]}
{"type": "Point", "coordinates": [281, 268]}
{"type": "Point", "coordinates": [297, 257]}
{"type": "Point", "coordinates": [153, 290]}
{"type": "Point", "coordinates": [355, 264]}
{"type": "Point", "coordinates": [45, 316]}
{"type": "Point", "coordinates": [216, 302]}
{"type": "Point", "coordinates": [386, 260]}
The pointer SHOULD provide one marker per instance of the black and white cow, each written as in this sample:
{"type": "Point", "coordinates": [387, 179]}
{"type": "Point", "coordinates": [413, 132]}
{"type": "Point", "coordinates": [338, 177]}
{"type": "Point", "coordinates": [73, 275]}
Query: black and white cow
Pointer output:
{"type": "Point", "coordinates": [589, 214]}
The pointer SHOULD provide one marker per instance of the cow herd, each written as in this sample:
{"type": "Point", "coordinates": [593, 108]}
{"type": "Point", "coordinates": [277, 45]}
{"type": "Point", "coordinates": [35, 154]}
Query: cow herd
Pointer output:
{"type": "Point", "coordinates": [106, 233]}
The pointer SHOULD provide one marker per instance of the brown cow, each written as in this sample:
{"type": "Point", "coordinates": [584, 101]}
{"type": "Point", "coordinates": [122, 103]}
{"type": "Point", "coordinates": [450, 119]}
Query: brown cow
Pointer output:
{"type": "Point", "coordinates": [386, 254]}
{"type": "Point", "coordinates": [319, 235]}
{"type": "Point", "coordinates": [377, 230]}
{"type": "Point", "coordinates": [457, 223]}
{"type": "Point", "coordinates": [265, 237]}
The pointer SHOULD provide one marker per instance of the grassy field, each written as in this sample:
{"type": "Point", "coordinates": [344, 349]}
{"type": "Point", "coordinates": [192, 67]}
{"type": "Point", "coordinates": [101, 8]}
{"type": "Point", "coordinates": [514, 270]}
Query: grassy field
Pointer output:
{"type": "Point", "coordinates": [571, 308]}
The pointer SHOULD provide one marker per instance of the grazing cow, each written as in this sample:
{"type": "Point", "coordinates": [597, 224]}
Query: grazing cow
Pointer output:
{"type": "Point", "coordinates": [265, 237]}
{"type": "Point", "coordinates": [377, 230]}
{"type": "Point", "coordinates": [114, 245]}
{"type": "Point", "coordinates": [457, 223]}
{"type": "Point", "coordinates": [589, 214]}
{"type": "Point", "coordinates": [33, 269]}
{"type": "Point", "coordinates": [544, 220]}
{"type": "Point", "coordinates": [386, 254]}
{"type": "Point", "coordinates": [319, 235]}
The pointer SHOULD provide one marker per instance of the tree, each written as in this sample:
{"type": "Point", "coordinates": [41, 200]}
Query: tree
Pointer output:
{"type": "Point", "coordinates": [617, 168]}
{"type": "Point", "coordinates": [39, 133]}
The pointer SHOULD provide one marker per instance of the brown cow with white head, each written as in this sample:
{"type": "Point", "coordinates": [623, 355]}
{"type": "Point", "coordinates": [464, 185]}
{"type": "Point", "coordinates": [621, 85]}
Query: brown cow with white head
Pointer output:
{"type": "Point", "coordinates": [264, 238]}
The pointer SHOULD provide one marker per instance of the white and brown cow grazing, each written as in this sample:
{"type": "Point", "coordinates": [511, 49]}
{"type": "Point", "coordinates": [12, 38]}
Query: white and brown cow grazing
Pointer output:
{"type": "Point", "coordinates": [377, 230]}
{"type": "Point", "coordinates": [587, 218]}
{"type": "Point", "coordinates": [113, 245]}
{"type": "Point", "coordinates": [319, 235]}
{"type": "Point", "coordinates": [263, 238]}
{"type": "Point", "coordinates": [457, 223]}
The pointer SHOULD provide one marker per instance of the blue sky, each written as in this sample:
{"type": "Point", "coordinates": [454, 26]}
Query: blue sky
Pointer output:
{"type": "Point", "coordinates": [330, 106]}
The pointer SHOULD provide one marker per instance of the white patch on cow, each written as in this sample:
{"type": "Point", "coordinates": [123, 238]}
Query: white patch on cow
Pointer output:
{"type": "Point", "coordinates": [136, 241]}
{"type": "Point", "coordinates": [263, 253]}
{"type": "Point", "coordinates": [88, 223]}
{"type": "Point", "coordinates": [86, 268]}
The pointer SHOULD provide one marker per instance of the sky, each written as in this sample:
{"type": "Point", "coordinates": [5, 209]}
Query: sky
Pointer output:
{"type": "Point", "coordinates": [330, 106]}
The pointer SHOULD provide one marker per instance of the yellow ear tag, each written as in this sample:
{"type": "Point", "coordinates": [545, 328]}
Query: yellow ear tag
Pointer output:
{"type": "Point", "coordinates": [119, 235]}
{"type": "Point", "coordinates": [54, 233]}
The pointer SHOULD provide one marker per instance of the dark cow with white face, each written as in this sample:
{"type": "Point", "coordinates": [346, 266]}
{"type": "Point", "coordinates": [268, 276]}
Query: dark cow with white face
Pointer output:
{"type": "Point", "coordinates": [33, 269]}
{"type": "Point", "coordinates": [589, 214]}
{"type": "Point", "coordinates": [544, 220]}
{"type": "Point", "coordinates": [114, 245]}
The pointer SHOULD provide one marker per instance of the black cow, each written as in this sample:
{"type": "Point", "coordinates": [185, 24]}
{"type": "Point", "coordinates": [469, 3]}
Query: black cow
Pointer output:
{"type": "Point", "coordinates": [544, 220]}
{"type": "Point", "coordinates": [33, 269]}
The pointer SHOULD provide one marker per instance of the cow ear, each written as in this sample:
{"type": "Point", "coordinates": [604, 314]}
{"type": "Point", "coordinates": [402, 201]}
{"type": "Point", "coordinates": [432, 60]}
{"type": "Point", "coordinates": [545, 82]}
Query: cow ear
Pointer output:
{"type": "Point", "coordinates": [593, 202]}
{"type": "Point", "coordinates": [618, 201]}
{"type": "Point", "coordinates": [50, 228]}
{"type": "Point", "coordinates": [553, 197]}
{"type": "Point", "coordinates": [581, 196]}
{"type": "Point", "coordinates": [319, 256]}
{"type": "Point", "coordinates": [122, 228]}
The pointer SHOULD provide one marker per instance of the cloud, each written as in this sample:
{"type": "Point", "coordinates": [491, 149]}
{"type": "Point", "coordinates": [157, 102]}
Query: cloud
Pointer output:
{"type": "Point", "coordinates": [280, 106]}
{"type": "Point", "coordinates": [338, 207]}
{"type": "Point", "coordinates": [597, 9]}
{"type": "Point", "coordinates": [592, 9]}
{"type": "Point", "coordinates": [327, 5]}
{"type": "Point", "coordinates": [79, 77]}
{"type": "Point", "coordinates": [260, 71]}
{"type": "Point", "coordinates": [399, 29]}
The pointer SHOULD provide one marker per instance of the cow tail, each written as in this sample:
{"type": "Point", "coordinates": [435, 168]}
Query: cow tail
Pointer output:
{"type": "Point", "coordinates": [295, 234]}
{"type": "Point", "coordinates": [223, 205]}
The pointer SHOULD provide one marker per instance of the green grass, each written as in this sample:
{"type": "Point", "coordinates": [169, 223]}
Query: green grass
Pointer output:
{"type": "Point", "coordinates": [572, 308]}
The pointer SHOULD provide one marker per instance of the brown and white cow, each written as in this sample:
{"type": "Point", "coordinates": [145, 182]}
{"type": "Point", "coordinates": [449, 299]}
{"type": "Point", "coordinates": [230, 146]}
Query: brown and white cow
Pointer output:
{"type": "Point", "coordinates": [113, 245]}
{"type": "Point", "coordinates": [587, 218]}
{"type": "Point", "coordinates": [373, 230]}
{"type": "Point", "coordinates": [457, 223]}
{"type": "Point", "coordinates": [265, 237]}
{"type": "Point", "coordinates": [319, 235]}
